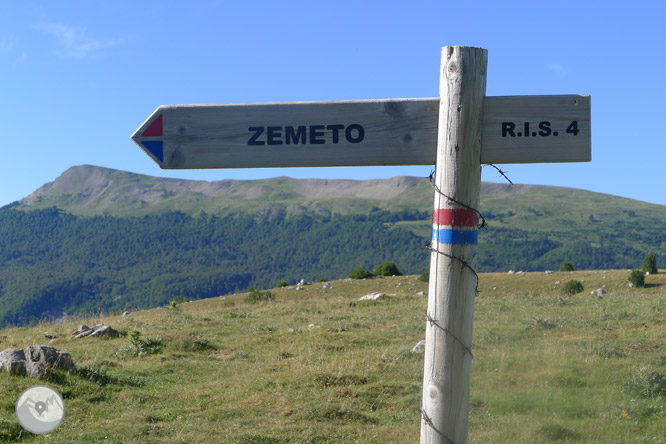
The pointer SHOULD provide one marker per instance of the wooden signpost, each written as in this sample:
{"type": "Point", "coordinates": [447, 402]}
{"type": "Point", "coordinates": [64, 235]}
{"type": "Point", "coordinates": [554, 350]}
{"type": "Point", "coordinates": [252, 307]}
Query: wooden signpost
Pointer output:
{"type": "Point", "coordinates": [457, 132]}
{"type": "Point", "coordinates": [369, 132]}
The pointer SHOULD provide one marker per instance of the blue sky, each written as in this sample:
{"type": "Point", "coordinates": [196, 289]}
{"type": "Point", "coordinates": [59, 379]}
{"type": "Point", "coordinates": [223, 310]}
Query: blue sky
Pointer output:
{"type": "Point", "coordinates": [79, 77]}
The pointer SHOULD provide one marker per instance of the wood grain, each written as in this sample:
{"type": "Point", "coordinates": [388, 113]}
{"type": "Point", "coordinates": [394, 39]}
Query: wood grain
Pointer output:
{"type": "Point", "coordinates": [396, 132]}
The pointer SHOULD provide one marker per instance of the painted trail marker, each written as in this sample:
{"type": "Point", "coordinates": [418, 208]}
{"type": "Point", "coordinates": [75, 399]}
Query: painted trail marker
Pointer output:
{"type": "Point", "coordinates": [370, 132]}
{"type": "Point", "coordinates": [458, 131]}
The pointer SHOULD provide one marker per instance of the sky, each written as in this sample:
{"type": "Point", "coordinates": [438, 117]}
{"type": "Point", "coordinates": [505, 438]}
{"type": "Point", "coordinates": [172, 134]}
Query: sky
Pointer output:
{"type": "Point", "coordinates": [79, 77]}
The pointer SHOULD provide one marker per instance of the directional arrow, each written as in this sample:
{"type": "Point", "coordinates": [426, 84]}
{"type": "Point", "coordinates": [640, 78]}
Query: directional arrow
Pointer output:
{"type": "Point", "coordinates": [348, 133]}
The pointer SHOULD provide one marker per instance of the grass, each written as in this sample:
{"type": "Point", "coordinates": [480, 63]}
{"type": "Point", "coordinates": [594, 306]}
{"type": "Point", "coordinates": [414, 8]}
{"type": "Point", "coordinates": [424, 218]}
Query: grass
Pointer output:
{"type": "Point", "coordinates": [310, 366]}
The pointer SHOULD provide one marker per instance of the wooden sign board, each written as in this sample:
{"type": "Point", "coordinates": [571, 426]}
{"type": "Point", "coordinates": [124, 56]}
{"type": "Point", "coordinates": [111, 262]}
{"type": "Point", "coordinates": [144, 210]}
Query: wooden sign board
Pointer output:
{"type": "Point", "coordinates": [530, 129]}
{"type": "Point", "coordinates": [519, 129]}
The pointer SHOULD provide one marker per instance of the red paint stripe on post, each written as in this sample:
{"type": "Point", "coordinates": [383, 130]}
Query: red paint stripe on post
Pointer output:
{"type": "Point", "coordinates": [155, 128]}
{"type": "Point", "coordinates": [455, 218]}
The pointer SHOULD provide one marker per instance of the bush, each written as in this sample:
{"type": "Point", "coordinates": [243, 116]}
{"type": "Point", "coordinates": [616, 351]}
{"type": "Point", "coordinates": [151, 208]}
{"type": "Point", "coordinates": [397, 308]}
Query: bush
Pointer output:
{"type": "Point", "coordinates": [650, 264]}
{"type": "Point", "coordinates": [637, 278]}
{"type": "Point", "coordinates": [566, 266]}
{"type": "Point", "coordinates": [572, 287]}
{"type": "Point", "coordinates": [281, 284]}
{"type": "Point", "coordinates": [387, 268]}
{"type": "Point", "coordinates": [425, 276]}
{"type": "Point", "coordinates": [255, 296]}
{"type": "Point", "coordinates": [649, 383]}
{"type": "Point", "coordinates": [176, 301]}
{"type": "Point", "coordinates": [321, 279]}
{"type": "Point", "coordinates": [359, 273]}
{"type": "Point", "coordinates": [137, 346]}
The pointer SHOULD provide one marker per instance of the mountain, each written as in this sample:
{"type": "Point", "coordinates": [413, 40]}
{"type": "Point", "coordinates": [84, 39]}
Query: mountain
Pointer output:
{"type": "Point", "coordinates": [97, 239]}
{"type": "Point", "coordinates": [88, 190]}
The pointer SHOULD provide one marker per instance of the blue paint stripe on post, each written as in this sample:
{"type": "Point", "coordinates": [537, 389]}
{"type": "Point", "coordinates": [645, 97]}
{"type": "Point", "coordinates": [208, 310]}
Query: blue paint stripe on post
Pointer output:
{"type": "Point", "coordinates": [456, 237]}
{"type": "Point", "coordinates": [155, 147]}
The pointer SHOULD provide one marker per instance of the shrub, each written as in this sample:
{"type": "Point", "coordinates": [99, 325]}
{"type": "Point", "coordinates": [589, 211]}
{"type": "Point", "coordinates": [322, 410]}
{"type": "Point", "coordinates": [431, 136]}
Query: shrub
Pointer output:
{"type": "Point", "coordinates": [255, 296]}
{"type": "Point", "coordinates": [566, 266]}
{"type": "Point", "coordinates": [137, 346]}
{"type": "Point", "coordinates": [650, 264]}
{"type": "Point", "coordinates": [649, 383]}
{"type": "Point", "coordinates": [387, 268]}
{"type": "Point", "coordinates": [321, 279]}
{"type": "Point", "coordinates": [359, 273]}
{"type": "Point", "coordinates": [177, 301]}
{"type": "Point", "coordinates": [425, 276]}
{"type": "Point", "coordinates": [281, 284]}
{"type": "Point", "coordinates": [637, 278]}
{"type": "Point", "coordinates": [572, 287]}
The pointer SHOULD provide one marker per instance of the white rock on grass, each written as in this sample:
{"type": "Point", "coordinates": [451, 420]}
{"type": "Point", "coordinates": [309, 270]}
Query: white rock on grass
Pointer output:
{"type": "Point", "coordinates": [598, 292]}
{"type": "Point", "coordinates": [376, 296]}
{"type": "Point", "coordinates": [418, 347]}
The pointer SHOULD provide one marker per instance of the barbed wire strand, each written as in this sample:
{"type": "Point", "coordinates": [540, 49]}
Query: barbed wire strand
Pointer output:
{"type": "Point", "coordinates": [435, 322]}
{"type": "Point", "coordinates": [501, 171]}
{"type": "Point", "coordinates": [481, 225]}
{"type": "Point", "coordinates": [428, 421]}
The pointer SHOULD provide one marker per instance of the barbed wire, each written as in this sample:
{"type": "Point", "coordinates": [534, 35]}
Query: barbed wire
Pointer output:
{"type": "Point", "coordinates": [428, 421]}
{"type": "Point", "coordinates": [501, 171]}
{"type": "Point", "coordinates": [480, 226]}
{"type": "Point", "coordinates": [435, 322]}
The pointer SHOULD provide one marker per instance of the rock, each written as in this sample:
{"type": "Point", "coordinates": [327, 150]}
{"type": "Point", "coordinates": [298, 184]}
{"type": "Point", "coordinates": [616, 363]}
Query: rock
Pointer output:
{"type": "Point", "coordinates": [327, 285]}
{"type": "Point", "coordinates": [511, 272]}
{"type": "Point", "coordinates": [35, 360]}
{"type": "Point", "coordinates": [598, 292]}
{"type": "Point", "coordinates": [97, 330]}
{"type": "Point", "coordinates": [418, 347]}
{"type": "Point", "coordinates": [125, 314]}
{"type": "Point", "coordinates": [313, 326]}
{"type": "Point", "coordinates": [13, 361]}
{"type": "Point", "coordinates": [631, 284]}
{"type": "Point", "coordinates": [376, 296]}
{"type": "Point", "coordinates": [549, 272]}
{"type": "Point", "coordinates": [557, 282]}
{"type": "Point", "coordinates": [420, 293]}
{"type": "Point", "coordinates": [290, 330]}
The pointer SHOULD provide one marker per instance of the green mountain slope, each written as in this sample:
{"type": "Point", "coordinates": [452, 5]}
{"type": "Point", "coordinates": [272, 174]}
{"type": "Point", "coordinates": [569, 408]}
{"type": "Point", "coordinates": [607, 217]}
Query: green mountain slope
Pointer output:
{"type": "Point", "coordinates": [99, 239]}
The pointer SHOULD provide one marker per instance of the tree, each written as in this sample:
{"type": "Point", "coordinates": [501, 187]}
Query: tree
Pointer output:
{"type": "Point", "coordinates": [637, 278]}
{"type": "Point", "coordinates": [387, 268]}
{"type": "Point", "coordinates": [359, 273]}
{"type": "Point", "coordinates": [567, 267]}
{"type": "Point", "coordinates": [572, 287]}
{"type": "Point", "coordinates": [650, 264]}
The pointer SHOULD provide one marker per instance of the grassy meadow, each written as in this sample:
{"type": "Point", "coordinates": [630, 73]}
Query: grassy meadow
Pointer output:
{"type": "Point", "coordinates": [318, 366]}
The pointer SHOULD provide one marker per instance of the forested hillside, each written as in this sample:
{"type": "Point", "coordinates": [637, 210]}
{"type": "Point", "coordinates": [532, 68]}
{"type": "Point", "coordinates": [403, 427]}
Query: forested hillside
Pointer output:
{"type": "Point", "coordinates": [94, 255]}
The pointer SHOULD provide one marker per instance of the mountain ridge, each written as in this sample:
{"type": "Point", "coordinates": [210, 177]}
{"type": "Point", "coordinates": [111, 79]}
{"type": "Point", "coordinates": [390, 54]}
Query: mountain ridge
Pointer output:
{"type": "Point", "coordinates": [91, 190]}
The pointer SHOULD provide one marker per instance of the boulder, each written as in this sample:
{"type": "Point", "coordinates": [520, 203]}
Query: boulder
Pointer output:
{"type": "Point", "coordinates": [376, 296]}
{"type": "Point", "coordinates": [599, 292]}
{"type": "Point", "coordinates": [35, 360]}
{"type": "Point", "coordinates": [97, 330]}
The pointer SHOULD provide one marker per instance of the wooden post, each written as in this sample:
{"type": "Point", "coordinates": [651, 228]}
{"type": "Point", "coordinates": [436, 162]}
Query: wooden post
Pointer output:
{"type": "Point", "coordinates": [453, 281]}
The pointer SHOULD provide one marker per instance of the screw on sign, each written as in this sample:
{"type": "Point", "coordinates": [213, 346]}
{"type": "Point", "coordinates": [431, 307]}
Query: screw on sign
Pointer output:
{"type": "Point", "coordinates": [457, 131]}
